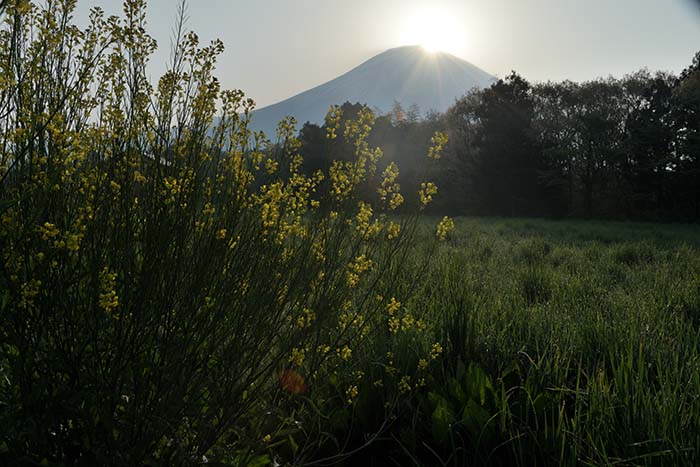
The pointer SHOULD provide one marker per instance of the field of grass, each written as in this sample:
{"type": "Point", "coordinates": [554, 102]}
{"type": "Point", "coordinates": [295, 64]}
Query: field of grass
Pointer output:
{"type": "Point", "coordinates": [566, 343]}
{"type": "Point", "coordinates": [188, 297]}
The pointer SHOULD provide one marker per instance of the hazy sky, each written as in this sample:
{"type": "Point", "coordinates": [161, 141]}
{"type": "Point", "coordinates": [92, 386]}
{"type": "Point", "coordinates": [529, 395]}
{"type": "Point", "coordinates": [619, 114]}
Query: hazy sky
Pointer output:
{"type": "Point", "coordinates": [278, 48]}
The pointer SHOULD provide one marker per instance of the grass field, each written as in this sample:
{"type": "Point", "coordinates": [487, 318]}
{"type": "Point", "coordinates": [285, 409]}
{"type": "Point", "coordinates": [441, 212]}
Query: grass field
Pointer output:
{"type": "Point", "coordinates": [566, 343]}
{"type": "Point", "coordinates": [176, 291]}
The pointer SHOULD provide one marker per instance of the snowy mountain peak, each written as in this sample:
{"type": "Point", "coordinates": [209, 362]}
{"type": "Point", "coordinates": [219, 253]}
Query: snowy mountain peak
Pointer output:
{"type": "Point", "coordinates": [409, 75]}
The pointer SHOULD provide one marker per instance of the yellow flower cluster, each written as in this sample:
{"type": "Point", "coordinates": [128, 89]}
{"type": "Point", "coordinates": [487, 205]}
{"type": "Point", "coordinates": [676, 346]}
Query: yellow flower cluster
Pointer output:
{"type": "Point", "coordinates": [435, 351]}
{"type": "Point", "coordinates": [394, 324]}
{"type": "Point", "coordinates": [426, 192]}
{"type": "Point", "coordinates": [48, 231]}
{"type": "Point", "coordinates": [72, 242]}
{"type": "Point", "coordinates": [306, 318]}
{"type": "Point", "coordinates": [392, 309]}
{"type": "Point", "coordinates": [342, 184]}
{"type": "Point", "coordinates": [438, 142]}
{"type": "Point", "coordinates": [271, 166]}
{"type": "Point", "coordinates": [357, 268]}
{"type": "Point", "coordinates": [297, 356]}
{"type": "Point", "coordinates": [351, 393]}
{"type": "Point", "coordinates": [332, 121]}
{"type": "Point", "coordinates": [270, 199]}
{"type": "Point", "coordinates": [444, 228]}
{"type": "Point", "coordinates": [173, 187]}
{"type": "Point", "coordinates": [365, 227]}
{"type": "Point", "coordinates": [407, 322]}
{"type": "Point", "coordinates": [393, 230]}
{"type": "Point", "coordinates": [29, 291]}
{"type": "Point", "coordinates": [405, 384]}
{"type": "Point", "coordinates": [108, 298]}
{"type": "Point", "coordinates": [389, 188]}
{"type": "Point", "coordinates": [393, 306]}
{"type": "Point", "coordinates": [350, 318]}
{"type": "Point", "coordinates": [345, 353]}
{"type": "Point", "coordinates": [395, 201]}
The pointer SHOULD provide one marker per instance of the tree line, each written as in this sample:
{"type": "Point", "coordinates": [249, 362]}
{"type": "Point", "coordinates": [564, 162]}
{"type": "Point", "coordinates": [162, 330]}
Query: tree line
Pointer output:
{"type": "Point", "coordinates": [625, 149]}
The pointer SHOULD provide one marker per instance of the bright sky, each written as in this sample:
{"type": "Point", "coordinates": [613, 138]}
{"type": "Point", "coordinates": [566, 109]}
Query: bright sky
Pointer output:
{"type": "Point", "coordinates": [278, 48]}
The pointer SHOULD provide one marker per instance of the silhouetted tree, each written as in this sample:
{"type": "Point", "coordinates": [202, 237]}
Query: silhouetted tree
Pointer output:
{"type": "Point", "coordinates": [649, 147]}
{"type": "Point", "coordinates": [613, 148]}
{"type": "Point", "coordinates": [509, 162]}
{"type": "Point", "coordinates": [686, 102]}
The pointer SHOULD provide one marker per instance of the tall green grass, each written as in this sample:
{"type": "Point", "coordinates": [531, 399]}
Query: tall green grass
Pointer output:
{"type": "Point", "coordinates": [567, 343]}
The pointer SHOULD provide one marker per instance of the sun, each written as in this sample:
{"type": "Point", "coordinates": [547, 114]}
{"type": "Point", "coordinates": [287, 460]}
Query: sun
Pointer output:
{"type": "Point", "coordinates": [435, 29]}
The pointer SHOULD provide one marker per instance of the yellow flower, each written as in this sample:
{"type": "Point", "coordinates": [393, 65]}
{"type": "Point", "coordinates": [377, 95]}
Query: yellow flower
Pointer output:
{"type": "Point", "coordinates": [345, 353]}
{"type": "Point", "coordinates": [435, 351]}
{"type": "Point", "coordinates": [426, 192]}
{"type": "Point", "coordinates": [348, 318]}
{"type": "Point", "coordinates": [351, 393]}
{"type": "Point", "coordinates": [332, 121]}
{"type": "Point", "coordinates": [48, 231]}
{"type": "Point", "coordinates": [363, 217]}
{"type": "Point", "coordinates": [407, 322]}
{"type": "Point", "coordinates": [389, 188]}
{"type": "Point", "coordinates": [396, 200]}
{"type": "Point", "coordinates": [438, 142]}
{"type": "Point", "coordinates": [108, 299]}
{"type": "Point", "coordinates": [271, 166]}
{"type": "Point", "coordinates": [357, 268]}
{"type": "Point", "coordinates": [393, 306]}
{"type": "Point", "coordinates": [444, 228]}
{"type": "Point", "coordinates": [139, 177]}
{"type": "Point", "coordinates": [267, 438]}
{"type": "Point", "coordinates": [73, 242]}
{"type": "Point", "coordinates": [221, 234]}
{"type": "Point", "coordinates": [405, 384]}
{"type": "Point", "coordinates": [394, 324]}
{"type": "Point", "coordinates": [306, 318]}
{"type": "Point", "coordinates": [422, 364]}
{"type": "Point", "coordinates": [29, 292]}
{"type": "Point", "coordinates": [393, 230]}
{"type": "Point", "coordinates": [297, 357]}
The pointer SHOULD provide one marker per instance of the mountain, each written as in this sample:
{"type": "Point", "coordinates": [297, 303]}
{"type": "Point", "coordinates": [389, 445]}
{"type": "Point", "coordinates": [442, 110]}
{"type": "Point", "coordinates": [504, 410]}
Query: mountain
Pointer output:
{"type": "Point", "coordinates": [408, 75]}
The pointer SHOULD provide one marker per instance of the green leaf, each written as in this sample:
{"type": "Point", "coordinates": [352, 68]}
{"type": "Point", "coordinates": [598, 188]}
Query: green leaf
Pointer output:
{"type": "Point", "coordinates": [293, 444]}
{"type": "Point", "coordinates": [457, 391]}
{"type": "Point", "coordinates": [475, 417]}
{"type": "Point", "coordinates": [260, 461]}
{"type": "Point", "coordinates": [478, 384]}
{"type": "Point", "coordinates": [442, 418]}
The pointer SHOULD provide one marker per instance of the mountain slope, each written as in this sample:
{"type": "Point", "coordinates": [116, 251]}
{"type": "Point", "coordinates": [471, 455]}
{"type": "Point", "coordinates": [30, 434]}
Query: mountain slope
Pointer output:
{"type": "Point", "coordinates": [408, 75]}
